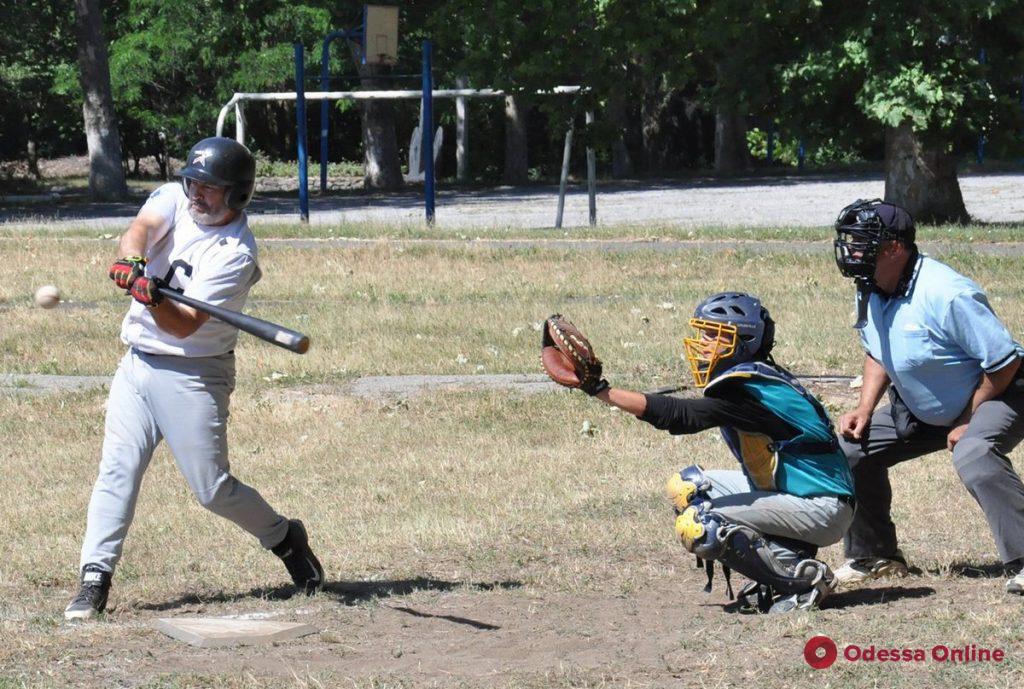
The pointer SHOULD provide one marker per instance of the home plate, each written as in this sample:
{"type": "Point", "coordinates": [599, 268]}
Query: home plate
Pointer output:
{"type": "Point", "coordinates": [210, 632]}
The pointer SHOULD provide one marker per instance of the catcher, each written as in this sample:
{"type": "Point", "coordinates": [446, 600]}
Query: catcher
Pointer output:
{"type": "Point", "coordinates": [794, 492]}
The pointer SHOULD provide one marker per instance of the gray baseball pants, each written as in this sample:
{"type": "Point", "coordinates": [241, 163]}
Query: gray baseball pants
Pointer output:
{"type": "Point", "coordinates": [185, 402]}
{"type": "Point", "coordinates": [980, 459]}
{"type": "Point", "coordinates": [819, 521]}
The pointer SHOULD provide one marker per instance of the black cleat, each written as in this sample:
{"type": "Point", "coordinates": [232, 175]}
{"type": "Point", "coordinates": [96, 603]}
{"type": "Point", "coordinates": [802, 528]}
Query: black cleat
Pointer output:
{"type": "Point", "coordinates": [294, 551]}
{"type": "Point", "coordinates": [755, 598]}
{"type": "Point", "coordinates": [92, 595]}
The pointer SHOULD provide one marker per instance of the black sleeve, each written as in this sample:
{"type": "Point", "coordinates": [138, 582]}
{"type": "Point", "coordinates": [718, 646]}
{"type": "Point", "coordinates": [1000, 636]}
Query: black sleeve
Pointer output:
{"type": "Point", "coordinates": [738, 409]}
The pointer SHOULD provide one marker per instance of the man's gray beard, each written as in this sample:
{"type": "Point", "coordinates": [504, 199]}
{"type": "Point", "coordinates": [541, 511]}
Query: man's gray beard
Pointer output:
{"type": "Point", "coordinates": [208, 218]}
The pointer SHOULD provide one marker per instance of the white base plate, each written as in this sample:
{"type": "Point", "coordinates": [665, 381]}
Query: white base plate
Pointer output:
{"type": "Point", "coordinates": [210, 632]}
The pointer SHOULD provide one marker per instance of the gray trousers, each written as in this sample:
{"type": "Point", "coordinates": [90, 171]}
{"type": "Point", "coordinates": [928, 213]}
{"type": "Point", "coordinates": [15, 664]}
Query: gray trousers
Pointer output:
{"type": "Point", "coordinates": [185, 402]}
{"type": "Point", "coordinates": [820, 521]}
{"type": "Point", "coordinates": [979, 459]}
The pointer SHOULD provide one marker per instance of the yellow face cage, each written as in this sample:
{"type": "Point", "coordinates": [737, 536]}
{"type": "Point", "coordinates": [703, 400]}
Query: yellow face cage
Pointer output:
{"type": "Point", "coordinates": [711, 342]}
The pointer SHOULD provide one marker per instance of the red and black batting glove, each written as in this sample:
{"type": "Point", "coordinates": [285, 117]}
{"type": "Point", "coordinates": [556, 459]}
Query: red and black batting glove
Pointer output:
{"type": "Point", "coordinates": [144, 290]}
{"type": "Point", "coordinates": [127, 270]}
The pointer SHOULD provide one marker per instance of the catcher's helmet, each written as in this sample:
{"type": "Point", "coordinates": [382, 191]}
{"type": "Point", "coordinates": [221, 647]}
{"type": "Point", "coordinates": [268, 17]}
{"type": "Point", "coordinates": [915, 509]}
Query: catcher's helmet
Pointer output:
{"type": "Point", "coordinates": [729, 328]}
{"type": "Point", "coordinates": [860, 230]}
{"type": "Point", "coordinates": [222, 162]}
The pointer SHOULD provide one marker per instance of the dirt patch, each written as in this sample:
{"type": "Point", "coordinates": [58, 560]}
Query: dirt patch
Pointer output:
{"type": "Point", "coordinates": [449, 633]}
{"type": "Point", "coordinates": [41, 384]}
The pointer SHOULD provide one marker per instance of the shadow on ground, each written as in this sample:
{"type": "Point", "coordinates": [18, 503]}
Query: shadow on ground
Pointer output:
{"type": "Point", "coordinates": [847, 599]}
{"type": "Point", "coordinates": [973, 570]}
{"type": "Point", "coordinates": [875, 596]}
{"type": "Point", "coordinates": [345, 592]}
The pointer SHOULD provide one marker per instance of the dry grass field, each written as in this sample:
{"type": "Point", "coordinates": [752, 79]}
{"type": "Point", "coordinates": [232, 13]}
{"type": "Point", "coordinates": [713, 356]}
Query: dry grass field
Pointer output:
{"type": "Point", "coordinates": [471, 539]}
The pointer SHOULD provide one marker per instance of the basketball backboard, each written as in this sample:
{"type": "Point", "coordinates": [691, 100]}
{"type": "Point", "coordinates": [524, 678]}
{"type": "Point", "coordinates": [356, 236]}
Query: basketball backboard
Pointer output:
{"type": "Point", "coordinates": [380, 34]}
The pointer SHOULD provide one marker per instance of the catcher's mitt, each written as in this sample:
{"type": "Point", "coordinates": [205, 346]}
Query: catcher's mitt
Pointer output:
{"type": "Point", "coordinates": [568, 357]}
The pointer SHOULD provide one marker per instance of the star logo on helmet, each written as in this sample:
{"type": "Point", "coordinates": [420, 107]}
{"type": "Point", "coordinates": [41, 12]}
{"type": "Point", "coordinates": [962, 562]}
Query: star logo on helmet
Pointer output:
{"type": "Point", "coordinates": [200, 158]}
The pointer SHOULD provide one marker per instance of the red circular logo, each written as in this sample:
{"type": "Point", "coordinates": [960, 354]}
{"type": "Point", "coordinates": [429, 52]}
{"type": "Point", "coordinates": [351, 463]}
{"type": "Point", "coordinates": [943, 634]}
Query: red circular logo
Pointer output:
{"type": "Point", "coordinates": [820, 652]}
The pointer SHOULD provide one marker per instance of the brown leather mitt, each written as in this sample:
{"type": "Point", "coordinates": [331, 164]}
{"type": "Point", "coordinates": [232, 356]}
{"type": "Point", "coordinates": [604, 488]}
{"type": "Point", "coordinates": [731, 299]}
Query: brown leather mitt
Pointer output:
{"type": "Point", "coordinates": [568, 357]}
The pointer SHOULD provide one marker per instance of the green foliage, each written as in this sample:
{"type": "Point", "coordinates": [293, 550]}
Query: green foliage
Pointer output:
{"type": "Point", "coordinates": [785, 150]}
{"type": "Point", "coordinates": [890, 63]}
{"type": "Point", "coordinates": [831, 73]}
{"type": "Point", "coordinates": [38, 38]}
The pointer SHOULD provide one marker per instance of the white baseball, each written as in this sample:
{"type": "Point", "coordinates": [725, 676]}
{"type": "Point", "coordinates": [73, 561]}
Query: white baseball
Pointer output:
{"type": "Point", "coordinates": [47, 296]}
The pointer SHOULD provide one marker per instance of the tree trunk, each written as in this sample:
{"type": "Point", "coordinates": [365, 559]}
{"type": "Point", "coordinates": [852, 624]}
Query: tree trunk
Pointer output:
{"type": "Point", "coordinates": [622, 162]}
{"type": "Point", "coordinates": [162, 159]}
{"type": "Point", "coordinates": [383, 168]}
{"type": "Point", "coordinates": [33, 157]}
{"type": "Point", "coordinates": [731, 153]}
{"type": "Point", "coordinates": [920, 179]}
{"type": "Point", "coordinates": [516, 163]}
{"type": "Point", "coordinates": [652, 106]}
{"type": "Point", "coordinates": [106, 176]}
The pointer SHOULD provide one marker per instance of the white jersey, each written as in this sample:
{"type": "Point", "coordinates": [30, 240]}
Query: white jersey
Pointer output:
{"type": "Point", "coordinates": [216, 264]}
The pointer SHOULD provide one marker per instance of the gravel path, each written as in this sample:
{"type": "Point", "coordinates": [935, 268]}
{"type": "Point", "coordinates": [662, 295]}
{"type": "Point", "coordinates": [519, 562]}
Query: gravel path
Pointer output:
{"type": "Point", "coordinates": [795, 201]}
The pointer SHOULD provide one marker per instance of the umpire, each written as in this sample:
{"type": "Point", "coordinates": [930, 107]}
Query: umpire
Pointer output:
{"type": "Point", "coordinates": [954, 379]}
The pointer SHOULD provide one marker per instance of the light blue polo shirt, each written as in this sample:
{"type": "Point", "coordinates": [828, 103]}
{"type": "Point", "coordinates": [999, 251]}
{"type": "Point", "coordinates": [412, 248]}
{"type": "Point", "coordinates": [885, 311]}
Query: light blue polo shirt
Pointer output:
{"type": "Point", "coordinates": [935, 341]}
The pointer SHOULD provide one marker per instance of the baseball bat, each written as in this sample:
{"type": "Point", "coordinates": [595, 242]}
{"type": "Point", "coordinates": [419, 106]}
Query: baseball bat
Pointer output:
{"type": "Point", "coordinates": [265, 330]}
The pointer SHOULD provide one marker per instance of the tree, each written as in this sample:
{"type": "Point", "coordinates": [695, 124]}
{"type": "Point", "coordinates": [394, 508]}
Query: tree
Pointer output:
{"type": "Point", "coordinates": [914, 69]}
{"type": "Point", "coordinates": [738, 46]}
{"type": "Point", "coordinates": [648, 65]}
{"type": "Point", "coordinates": [106, 176]}
{"type": "Point", "coordinates": [523, 48]}
{"type": "Point", "coordinates": [34, 120]}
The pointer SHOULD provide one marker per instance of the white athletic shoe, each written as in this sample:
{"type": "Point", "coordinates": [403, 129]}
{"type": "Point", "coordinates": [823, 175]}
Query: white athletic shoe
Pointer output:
{"type": "Point", "coordinates": [1016, 584]}
{"type": "Point", "coordinates": [858, 571]}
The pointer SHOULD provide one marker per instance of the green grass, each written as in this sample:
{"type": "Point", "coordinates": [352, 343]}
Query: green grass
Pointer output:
{"type": "Point", "coordinates": [382, 309]}
{"type": "Point", "coordinates": [458, 506]}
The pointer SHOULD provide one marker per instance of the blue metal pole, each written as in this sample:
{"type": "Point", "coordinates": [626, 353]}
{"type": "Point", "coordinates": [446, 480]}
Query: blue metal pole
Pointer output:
{"type": "Point", "coordinates": [800, 152]}
{"type": "Point", "coordinates": [428, 134]}
{"type": "Point", "coordinates": [300, 116]}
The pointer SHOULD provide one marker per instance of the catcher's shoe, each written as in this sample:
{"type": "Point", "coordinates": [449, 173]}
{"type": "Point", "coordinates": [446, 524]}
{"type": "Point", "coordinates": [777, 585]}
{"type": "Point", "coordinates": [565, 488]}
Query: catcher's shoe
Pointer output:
{"type": "Point", "coordinates": [1015, 584]}
{"type": "Point", "coordinates": [807, 600]}
{"type": "Point", "coordinates": [294, 551]}
{"type": "Point", "coordinates": [92, 594]}
{"type": "Point", "coordinates": [861, 570]}
{"type": "Point", "coordinates": [755, 598]}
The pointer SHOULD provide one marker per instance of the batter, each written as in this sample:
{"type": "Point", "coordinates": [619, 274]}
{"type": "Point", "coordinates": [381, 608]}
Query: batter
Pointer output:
{"type": "Point", "coordinates": [176, 379]}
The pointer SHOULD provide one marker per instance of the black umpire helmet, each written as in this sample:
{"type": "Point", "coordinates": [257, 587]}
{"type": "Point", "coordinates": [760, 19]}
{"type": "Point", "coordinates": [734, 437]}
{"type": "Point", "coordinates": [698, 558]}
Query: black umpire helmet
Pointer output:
{"type": "Point", "coordinates": [222, 162]}
{"type": "Point", "coordinates": [860, 230]}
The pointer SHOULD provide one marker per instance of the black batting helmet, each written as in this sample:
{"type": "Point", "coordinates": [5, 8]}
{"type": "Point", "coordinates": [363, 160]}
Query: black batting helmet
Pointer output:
{"type": "Point", "coordinates": [222, 162]}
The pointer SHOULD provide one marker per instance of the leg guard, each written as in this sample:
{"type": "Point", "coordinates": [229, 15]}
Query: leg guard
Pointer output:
{"type": "Point", "coordinates": [686, 487]}
{"type": "Point", "coordinates": [746, 551]}
{"type": "Point", "coordinates": [740, 548]}
{"type": "Point", "coordinates": [700, 531]}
